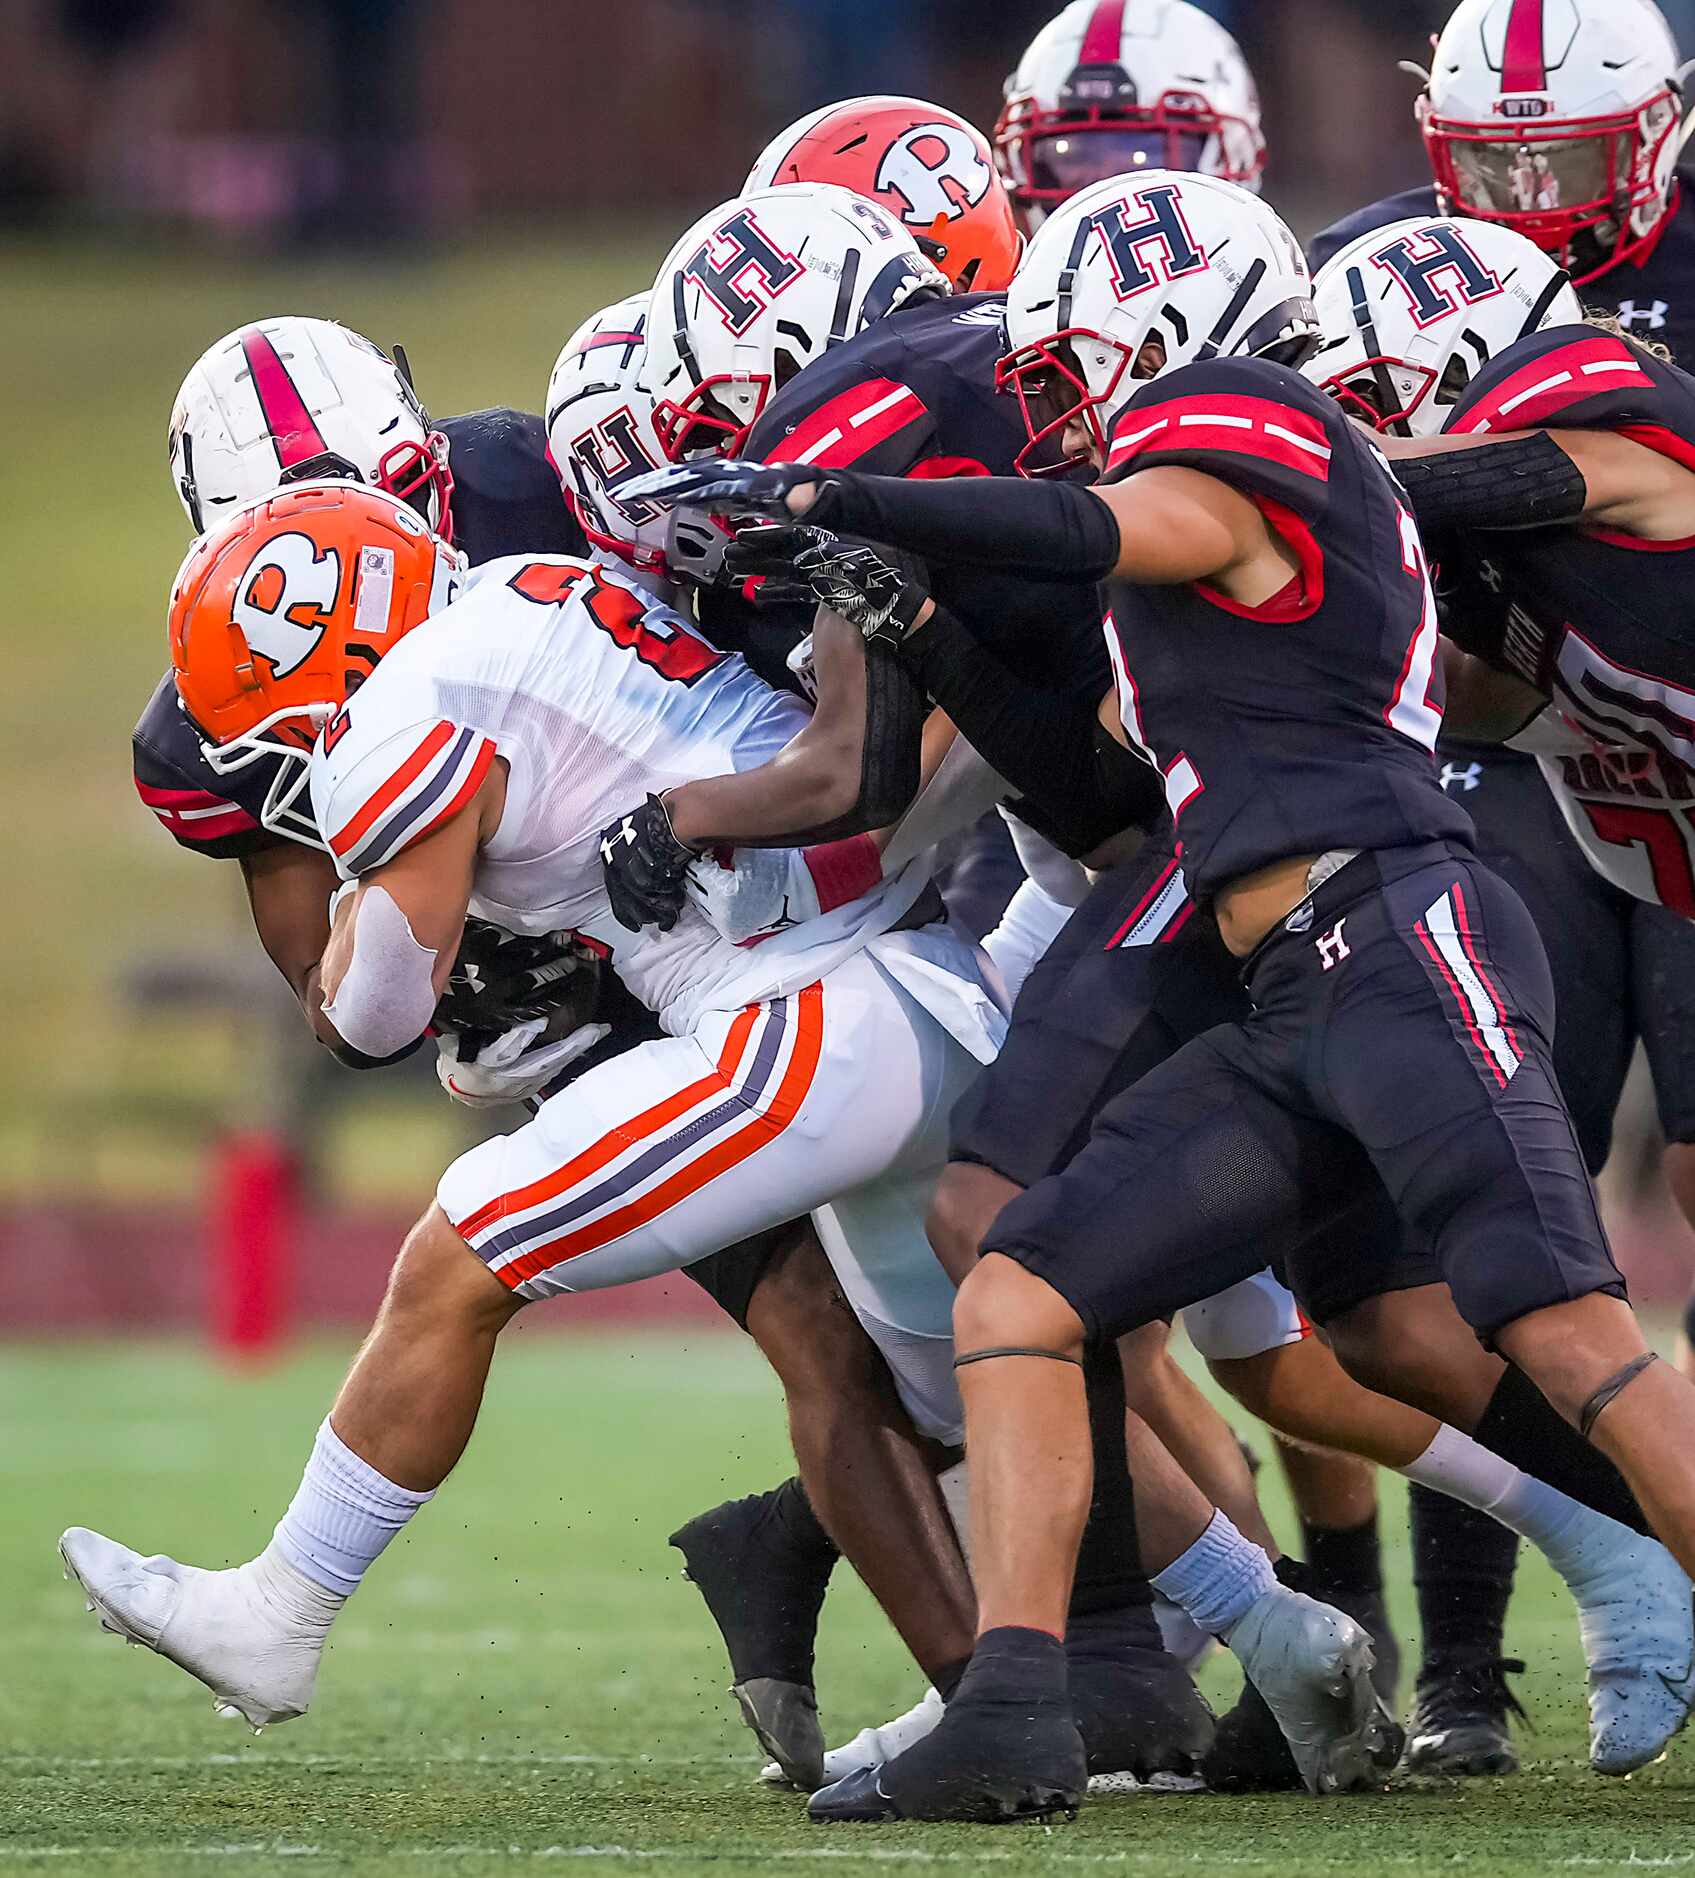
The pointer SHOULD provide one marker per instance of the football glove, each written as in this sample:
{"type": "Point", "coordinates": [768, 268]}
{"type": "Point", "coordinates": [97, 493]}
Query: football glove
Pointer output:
{"type": "Point", "coordinates": [727, 485]}
{"type": "Point", "coordinates": [512, 1067]}
{"type": "Point", "coordinates": [500, 979]}
{"type": "Point", "coordinates": [761, 892]}
{"type": "Point", "coordinates": [645, 868]}
{"type": "Point", "coordinates": [870, 588]}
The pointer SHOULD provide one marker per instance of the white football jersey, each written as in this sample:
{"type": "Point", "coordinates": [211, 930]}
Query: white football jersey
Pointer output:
{"type": "Point", "coordinates": [595, 695]}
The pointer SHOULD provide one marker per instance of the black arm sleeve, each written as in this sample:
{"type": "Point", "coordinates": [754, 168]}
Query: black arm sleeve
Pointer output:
{"type": "Point", "coordinates": [1520, 482]}
{"type": "Point", "coordinates": [891, 756]}
{"type": "Point", "coordinates": [1079, 784]}
{"type": "Point", "coordinates": [988, 521]}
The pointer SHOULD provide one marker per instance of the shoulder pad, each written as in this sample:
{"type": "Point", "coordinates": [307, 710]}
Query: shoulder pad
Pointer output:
{"type": "Point", "coordinates": [196, 806]}
{"type": "Point", "coordinates": [1254, 425]}
{"type": "Point", "coordinates": [1576, 378]}
{"type": "Point", "coordinates": [506, 497]}
{"type": "Point", "coordinates": [374, 800]}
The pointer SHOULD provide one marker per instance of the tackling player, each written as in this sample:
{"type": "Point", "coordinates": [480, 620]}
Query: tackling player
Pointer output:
{"type": "Point", "coordinates": [1595, 94]}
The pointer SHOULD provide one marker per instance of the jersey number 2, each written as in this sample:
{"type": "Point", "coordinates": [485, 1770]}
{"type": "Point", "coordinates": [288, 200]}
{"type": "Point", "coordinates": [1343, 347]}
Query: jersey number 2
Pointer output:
{"type": "Point", "coordinates": [669, 648]}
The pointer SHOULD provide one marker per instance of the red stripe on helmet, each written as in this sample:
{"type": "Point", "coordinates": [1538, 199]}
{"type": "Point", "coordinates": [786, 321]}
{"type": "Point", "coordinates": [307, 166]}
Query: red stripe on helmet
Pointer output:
{"type": "Point", "coordinates": [1103, 37]}
{"type": "Point", "coordinates": [1522, 68]}
{"type": "Point", "coordinates": [293, 432]}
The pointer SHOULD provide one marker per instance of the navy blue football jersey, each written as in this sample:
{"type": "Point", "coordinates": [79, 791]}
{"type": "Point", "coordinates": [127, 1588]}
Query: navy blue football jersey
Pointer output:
{"type": "Point", "coordinates": [1309, 722]}
{"type": "Point", "coordinates": [506, 500]}
{"type": "Point", "coordinates": [1604, 623]}
{"type": "Point", "coordinates": [914, 395]}
{"type": "Point", "coordinates": [1652, 296]}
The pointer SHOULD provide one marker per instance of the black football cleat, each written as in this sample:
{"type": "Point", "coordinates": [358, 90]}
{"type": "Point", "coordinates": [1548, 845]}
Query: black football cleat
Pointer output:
{"type": "Point", "coordinates": [988, 1761]}
{"type": "Point", "coordinates": [765, 1592]}
{"type": "Point", "coordinates": [1459, 1723]}
{"type": "Point", "coordinates": [1137, 1708]}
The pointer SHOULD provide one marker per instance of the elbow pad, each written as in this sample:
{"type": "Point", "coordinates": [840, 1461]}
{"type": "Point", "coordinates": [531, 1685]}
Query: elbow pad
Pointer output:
{"type": "Point", "coordinates": [387, 996]}
{"type": "Point", "coordinates": [1028, 527]}
{"type": "Point", "coordinates": [1520, 482]}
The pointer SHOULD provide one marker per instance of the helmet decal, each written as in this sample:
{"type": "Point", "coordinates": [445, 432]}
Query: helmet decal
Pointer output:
{"type": "Point", "coordinates": [293, 432]}
{"type": "Point", "coordinates": [283, 601]}
{"type": "Point", "coordinates": [1161, 227]}
{"type": "Point", "coordinates": [1522, 67]}
{"type": "Point", "coordinates": [1445, 276]}
{"type": "Point", "coordinates": [750, 251]}
{"type": "Point", "coordinates": [1103, 35]}
{"type": "Point", "coordinates": [936, 171]}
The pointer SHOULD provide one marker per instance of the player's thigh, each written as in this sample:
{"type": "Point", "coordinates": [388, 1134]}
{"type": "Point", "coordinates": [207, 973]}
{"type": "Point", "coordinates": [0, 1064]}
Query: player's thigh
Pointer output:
{"type": "Point", "coordinates": [1662, 976]}
{"type": "Point", "coordinates": [1434, 1052]}
{"type": "Point", "coordinates": [1585, 926]}
{"type": "Point", "coordinates": [1189, 1181]}
{"type": "Point", "coordinates": [681, 1147]}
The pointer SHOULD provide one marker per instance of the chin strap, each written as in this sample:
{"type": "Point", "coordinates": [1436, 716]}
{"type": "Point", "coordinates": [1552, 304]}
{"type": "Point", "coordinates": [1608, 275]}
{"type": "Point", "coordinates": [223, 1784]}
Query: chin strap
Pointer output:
{"type": "Point", "coordinates": [1053, 1356]}
{"type": "Point", "coordinates": [1617, 1382]}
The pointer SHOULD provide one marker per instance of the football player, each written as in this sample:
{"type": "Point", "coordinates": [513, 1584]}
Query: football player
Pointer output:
{"type": "Point", "coordinates": [1110, 87]}
{"type": "Point", "coordinates": [1595, 94]}
{"type": "Point", "coordinates": [440, 788]}
{"type": "Point", "coordinates": [1244, 781]}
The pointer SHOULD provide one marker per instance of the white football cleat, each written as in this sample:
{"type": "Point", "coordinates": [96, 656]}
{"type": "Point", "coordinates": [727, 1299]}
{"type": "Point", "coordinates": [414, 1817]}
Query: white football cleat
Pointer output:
{"type": "Point", "coordinates": [871, 1746]}
{"type": "Point", "coordinates": [1637, 1619]}
{"type": "Point", "coordinates": [1313, 1666]}
{"type": "Point", "coordinates": [254, 1651]}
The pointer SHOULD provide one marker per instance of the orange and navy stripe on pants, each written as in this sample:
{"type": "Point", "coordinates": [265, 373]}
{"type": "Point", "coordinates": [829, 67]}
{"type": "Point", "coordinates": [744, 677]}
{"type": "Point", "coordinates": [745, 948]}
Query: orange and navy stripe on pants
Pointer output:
{"type": "Point", "coordinates": [565, 1214]}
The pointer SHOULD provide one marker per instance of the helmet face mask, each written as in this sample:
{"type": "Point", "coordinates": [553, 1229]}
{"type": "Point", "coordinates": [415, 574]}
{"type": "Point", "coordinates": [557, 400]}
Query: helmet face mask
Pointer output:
{"type": "Point", "coordinates": [1107, 89]}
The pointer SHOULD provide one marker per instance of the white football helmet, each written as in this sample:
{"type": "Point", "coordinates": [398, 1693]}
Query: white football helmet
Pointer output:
{"type": "Point", "coordinates": [1202, 266]}
{"type": "Point", "coordinates": [297, 400]}
{"type": "Point", "coordinates": [1112, 86]}
{"type": "Point", "coordinates": [1413, 312]}
{"type": "Point", "coordinates": [1559, 118]}
{"type": "Point", "coordinates": [756, 291]}
{"type": "Point", "coordinates": [600, 433]}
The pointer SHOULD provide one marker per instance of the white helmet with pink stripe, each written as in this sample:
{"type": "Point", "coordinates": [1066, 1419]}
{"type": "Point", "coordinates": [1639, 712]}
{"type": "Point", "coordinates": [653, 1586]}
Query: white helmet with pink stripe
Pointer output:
{"type": "Point", "coordinates": [298, 400]}
{"type": "Point", "coordinates": [1113, 86]}
{"type": "Point", "coordinates": [1561, 119]}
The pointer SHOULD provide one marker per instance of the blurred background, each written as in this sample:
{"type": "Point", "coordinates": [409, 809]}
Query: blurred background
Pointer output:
{"type": "Point", "coordinates": [469, 177]}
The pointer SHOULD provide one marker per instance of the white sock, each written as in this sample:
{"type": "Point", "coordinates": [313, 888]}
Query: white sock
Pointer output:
{"type": "Point", "coordinates": [1218, 1578]}
{"type": "Point", "coordinates": [1573, 1537]}
{"type": "Point", "coordinates": [342, 1516]}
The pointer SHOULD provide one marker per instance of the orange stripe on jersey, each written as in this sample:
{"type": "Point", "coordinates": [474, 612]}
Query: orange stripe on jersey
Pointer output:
{"type": "Point", "coordinates": [759, 1129]}
{"type": "Point", "coordinates": [615, 1141]}
{"type": "Point", "coordinates": [402, 779]}
{"type": "Point", "coordinates": [464, 793]}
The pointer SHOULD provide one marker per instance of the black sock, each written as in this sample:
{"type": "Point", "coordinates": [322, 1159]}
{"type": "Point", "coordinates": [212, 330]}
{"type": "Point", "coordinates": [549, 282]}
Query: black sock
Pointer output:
{"type": "Point", "coordinates": [1109, 1561]}
{"type": "Point", "coordinates": [1015, 1661]}
{"type": "Point", "coordinates": [945, 1681]}
{"type": "Point", "coordinates": [1295, 1574]}
{"type": "Point", "coordinates": [1110, 1633]}
{"type": "Point", "coordinates": [1463, 1574]}
{"type": "Point", "coordinates": [1345, 1559]}
{"type": "Point", "coordinates": [791, 1512]}
{"type": "Point", "coordinates": [1521, 1427]}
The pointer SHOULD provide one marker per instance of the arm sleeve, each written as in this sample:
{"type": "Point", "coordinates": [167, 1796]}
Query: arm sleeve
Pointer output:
{"type": "Point", "coordinates": [891, 753]}
{"type": "Point", "coordinates": [373, 802]}
{"type": "Point", "coordinates": [989, 521]}
{"type": "Point", "coordinates": [1078, 784]}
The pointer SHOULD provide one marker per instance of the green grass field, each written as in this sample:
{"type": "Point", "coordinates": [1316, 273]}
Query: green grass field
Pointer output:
{"type": "Point", "coordinates": [526, 1681]}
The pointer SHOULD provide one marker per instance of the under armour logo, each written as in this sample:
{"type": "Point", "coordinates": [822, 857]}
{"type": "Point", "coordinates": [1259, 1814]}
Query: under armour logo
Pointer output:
{"type": "Point", "coordinates": [474, 978]}
{"type": "Point", "coordinates": [626, 834]}
{"type": "Point", "coordinates": [1332, 947]}
{"type": "Point", "coordinates": [1467, 778]}
{"type": "Point", "coordinates": [1654, 317]}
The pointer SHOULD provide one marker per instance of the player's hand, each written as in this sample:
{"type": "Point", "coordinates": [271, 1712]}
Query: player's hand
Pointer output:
{"type": "Point", "coordinates": [727, 485]}
{"type": "Point", "coordinates": [500, 979]}
{"type": "Point", "coordinates": [759, 892]}
{"type": "Point", "coordinates": [514, 1066]}
{"type": "Point", "coordinates": [865, 586]}
{"type": "Point", "coordinates": [645, 867]}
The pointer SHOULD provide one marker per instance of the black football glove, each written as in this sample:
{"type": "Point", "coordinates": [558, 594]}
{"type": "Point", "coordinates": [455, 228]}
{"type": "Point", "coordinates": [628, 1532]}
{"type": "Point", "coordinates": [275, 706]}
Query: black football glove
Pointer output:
{"type": "Point", "coordinates": [501, 979]}
{"type": "Point", "coordinates": [726, 485]}
{"type": "Point", "coordinates": [645, 867]}
{"type": "Point", "coordinates": [875, 589]}
{"type": "Point", "coordinates": [765, 552]}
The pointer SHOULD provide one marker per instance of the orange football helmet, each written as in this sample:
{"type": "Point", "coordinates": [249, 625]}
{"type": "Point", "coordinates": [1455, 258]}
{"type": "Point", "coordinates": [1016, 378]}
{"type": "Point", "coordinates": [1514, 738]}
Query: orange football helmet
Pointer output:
{"type": "Point", "coordinates": [928, 166]}
{"type": "Point", "coordinates": [279, 614]}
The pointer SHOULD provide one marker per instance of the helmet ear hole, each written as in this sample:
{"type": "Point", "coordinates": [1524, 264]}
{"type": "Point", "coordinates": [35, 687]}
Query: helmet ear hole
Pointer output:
{"type": "Point", "coordinates": [1454, 381]}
